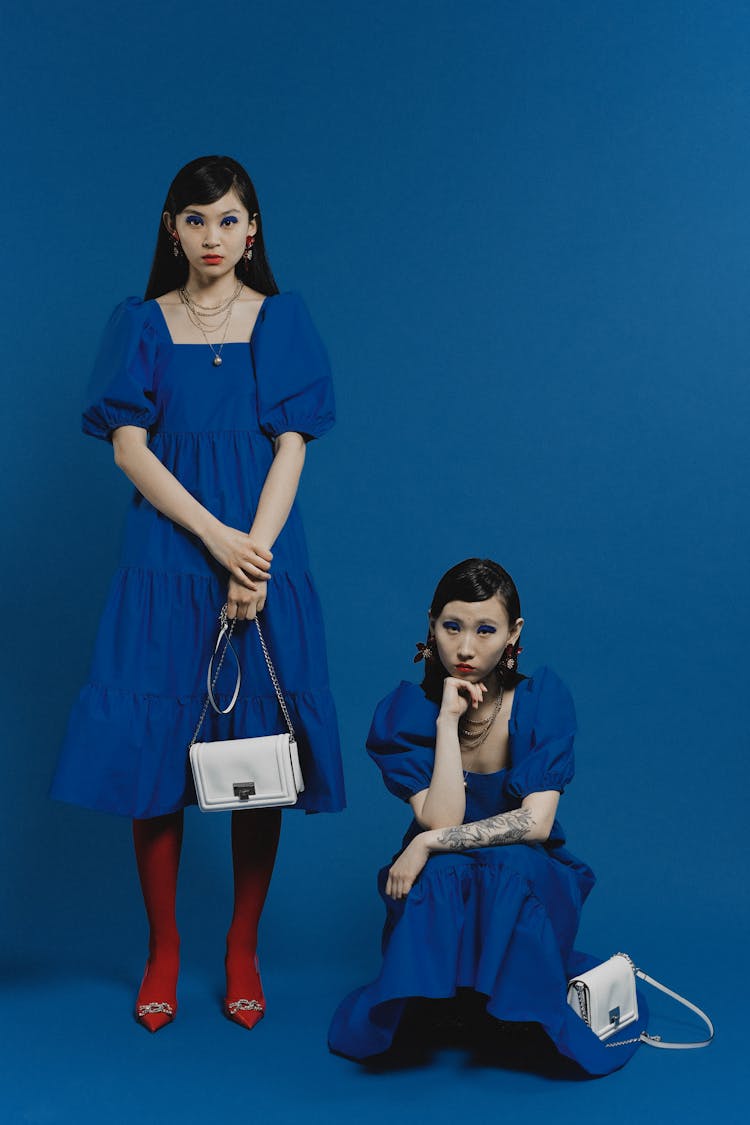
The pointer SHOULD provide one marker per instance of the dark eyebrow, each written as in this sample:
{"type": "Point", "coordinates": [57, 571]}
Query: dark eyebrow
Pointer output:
{"type": "Point", "coordinates": [195, 211]}
{"type": "Point", "coordinates": [482, 621]}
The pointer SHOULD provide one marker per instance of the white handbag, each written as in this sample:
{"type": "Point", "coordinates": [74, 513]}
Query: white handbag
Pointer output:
{"type": "Point", "coordinates": [244, 773]}
{"type": "Point", "coordinates": [605, 998]}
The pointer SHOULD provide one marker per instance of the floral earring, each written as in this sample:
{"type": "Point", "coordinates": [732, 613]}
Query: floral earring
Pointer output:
{"type": "Point", "coordinates": [248, 255]}
{"type": "Point", "coordinates": [508, 662]}
{"type": "Point", "coordinates": [176, 247]}
{"type": "Point", "coordinates": [424, 651]}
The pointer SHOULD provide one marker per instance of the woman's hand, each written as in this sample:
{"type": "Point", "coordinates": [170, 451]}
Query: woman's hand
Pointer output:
{"type": "Point", "coordinates": [247, 562]}
{"type": "Point", "coordinates": [408, 867]}
{"type": "Point", "coordinates": [243, 604]}
{"type": "Point", "coordinates": [459, 695]}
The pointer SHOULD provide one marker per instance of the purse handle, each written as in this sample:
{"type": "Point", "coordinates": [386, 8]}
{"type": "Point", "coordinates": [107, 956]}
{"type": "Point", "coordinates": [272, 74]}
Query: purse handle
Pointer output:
{"type": "Point", "coordinates": [656, 1040]}
{"type": "Point", "coordinates": [226, 628]}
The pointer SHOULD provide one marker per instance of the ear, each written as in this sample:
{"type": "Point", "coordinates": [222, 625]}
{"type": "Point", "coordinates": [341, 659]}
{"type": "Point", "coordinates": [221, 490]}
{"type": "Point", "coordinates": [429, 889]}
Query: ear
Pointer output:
{"type": "Point", "coordinates": [431, 623]}
{"type": "Point", "coordinates": [515, 633]}
{"type": "Point", "coordinates": [168, 223]}
{"type": "Point", "coordinates": [252, 226]}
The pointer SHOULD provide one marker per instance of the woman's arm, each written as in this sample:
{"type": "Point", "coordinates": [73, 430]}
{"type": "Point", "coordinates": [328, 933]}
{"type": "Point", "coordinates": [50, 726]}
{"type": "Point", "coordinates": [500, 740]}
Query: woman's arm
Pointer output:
{"type": "Point", "coordinates": [444, 802]}
{"type": "Point", "coordinates": [531, 824]}
{"type": "Point", "coordinates": [247, 560]}
{"type": "Point", "coordinates": [279, 489]}
{"type": "Point", "coordinates": [274, 505]}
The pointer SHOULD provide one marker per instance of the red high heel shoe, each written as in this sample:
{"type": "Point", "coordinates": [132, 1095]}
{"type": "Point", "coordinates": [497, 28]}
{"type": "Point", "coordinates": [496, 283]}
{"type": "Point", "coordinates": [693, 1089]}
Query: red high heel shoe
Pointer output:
{"type": "Point", "coordinates": [247, 1012]}
{"type": "Point", "coordinates": [154, 1014]}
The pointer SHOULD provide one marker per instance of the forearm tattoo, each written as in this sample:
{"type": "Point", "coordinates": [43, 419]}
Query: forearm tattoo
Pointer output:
{"type": "Point", "coordinates": [506, 828]}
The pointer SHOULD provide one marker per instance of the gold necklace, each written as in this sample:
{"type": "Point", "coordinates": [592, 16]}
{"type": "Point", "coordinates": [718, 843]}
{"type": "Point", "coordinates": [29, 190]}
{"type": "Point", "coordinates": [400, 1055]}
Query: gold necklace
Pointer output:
{"type": "Point", "coordinates": [477, 737]}
{"type": "Point", "coordinates": [194, 318]}
{"type": "Point", "coordinates": [210, 310]}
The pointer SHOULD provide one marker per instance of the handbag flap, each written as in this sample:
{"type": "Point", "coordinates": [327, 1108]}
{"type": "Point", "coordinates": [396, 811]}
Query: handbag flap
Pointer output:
{"type": "Point", "coordinates": [605, 996]}
{"type": "Point", "coordinates": [256, 767]}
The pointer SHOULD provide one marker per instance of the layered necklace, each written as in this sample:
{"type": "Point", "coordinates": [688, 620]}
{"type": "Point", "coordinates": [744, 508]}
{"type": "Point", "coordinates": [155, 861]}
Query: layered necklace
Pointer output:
{"type": "Point", "coordinates": [473, 732]}
{"type": "Point", "coordinates": [211, 318]}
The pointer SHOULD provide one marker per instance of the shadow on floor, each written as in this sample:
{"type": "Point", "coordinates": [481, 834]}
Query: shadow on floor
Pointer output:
{"type": "Point", "coordinates": [462, 1023]}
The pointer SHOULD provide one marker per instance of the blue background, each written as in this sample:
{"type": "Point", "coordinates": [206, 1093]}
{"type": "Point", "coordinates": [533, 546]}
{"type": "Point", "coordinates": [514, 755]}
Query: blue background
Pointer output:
{"type": "Point", "coordinates": [523, 231]}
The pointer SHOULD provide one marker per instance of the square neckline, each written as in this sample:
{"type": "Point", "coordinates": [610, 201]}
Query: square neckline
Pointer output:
{"type": "Point", "coordinates": [229, 344]}
{"type": "Point", "coordinates": [496, 773]}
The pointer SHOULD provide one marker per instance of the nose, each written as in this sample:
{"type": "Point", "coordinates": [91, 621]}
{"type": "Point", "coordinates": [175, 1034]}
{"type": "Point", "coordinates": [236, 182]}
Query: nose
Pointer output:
{"type": "Point", "coordinates": [210, 238]}
{"type": "Point", "coordinates": [465, 647]}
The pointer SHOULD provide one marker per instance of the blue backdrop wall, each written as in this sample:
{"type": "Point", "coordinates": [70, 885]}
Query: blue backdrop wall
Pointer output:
{"type": "Point", "coordinates": [523, 231]}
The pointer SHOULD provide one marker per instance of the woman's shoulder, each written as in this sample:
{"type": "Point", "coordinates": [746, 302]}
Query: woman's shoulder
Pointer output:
{"type": "Point", "coordinates": [404, 712]}
{"type": "Point", "coordinates": [133, 315]}
{"type": "Point", "coordinates": [286, 311]}
{"type": "Point", "coordinates": [407, 694]}
{"type": "Point", "coordinates": [542, 679]}
{"type": "Point", "coordinates": [542, 692]}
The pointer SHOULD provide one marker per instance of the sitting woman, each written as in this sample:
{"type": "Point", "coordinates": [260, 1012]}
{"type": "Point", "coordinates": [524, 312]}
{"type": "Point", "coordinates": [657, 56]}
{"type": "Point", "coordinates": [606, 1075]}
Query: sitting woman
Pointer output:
{"type": "Point", "coordinates": [483, 895]}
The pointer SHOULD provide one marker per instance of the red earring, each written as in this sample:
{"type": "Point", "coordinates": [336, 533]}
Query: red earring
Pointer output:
{"type": "Point", "coordinates": [509, 660]}
{"type": "Point", "coordinates": [248, 255]}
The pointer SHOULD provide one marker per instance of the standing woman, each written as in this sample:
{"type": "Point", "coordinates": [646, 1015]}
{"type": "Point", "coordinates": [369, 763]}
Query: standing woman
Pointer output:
{"type": "Point", "coordinates": [209, 390]}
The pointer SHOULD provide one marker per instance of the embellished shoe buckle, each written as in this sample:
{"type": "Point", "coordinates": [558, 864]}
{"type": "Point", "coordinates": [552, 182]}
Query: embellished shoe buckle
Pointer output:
{"type": "Point", "coordinates": [244, 1006]}
{"type": "Point", "coordinates": [155, 1006]}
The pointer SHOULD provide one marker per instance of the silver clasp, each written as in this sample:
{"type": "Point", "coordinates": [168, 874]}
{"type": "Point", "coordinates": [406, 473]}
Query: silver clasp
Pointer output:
{"type": "Point", "coordinates": [244, 790]}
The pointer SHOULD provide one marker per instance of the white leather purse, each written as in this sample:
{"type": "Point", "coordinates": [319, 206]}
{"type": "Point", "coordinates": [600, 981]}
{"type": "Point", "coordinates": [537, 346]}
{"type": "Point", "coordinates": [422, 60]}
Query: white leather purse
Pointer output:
{"type": "Point", "coordinates": [244, 773]}
{"type": "Point", "coordinates": [605, 998]}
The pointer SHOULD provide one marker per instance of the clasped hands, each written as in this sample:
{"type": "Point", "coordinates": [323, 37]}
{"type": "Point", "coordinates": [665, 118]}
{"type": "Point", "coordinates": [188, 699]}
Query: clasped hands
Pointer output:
{"type": "Point", "coordinates": [249, 566]}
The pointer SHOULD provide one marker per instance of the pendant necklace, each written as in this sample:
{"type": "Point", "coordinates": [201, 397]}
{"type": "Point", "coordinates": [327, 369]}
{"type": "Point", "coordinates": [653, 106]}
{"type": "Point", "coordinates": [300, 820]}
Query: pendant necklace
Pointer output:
{"type": "Point", "coordinates": [195, 312]}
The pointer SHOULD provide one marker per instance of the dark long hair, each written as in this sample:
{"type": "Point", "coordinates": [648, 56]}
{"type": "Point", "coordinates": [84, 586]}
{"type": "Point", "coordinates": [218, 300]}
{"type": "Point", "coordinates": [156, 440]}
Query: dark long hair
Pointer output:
{"type": "Point", "coordinates": [204, 181]}
{"type": "Point", "coordinates": [473, 580]}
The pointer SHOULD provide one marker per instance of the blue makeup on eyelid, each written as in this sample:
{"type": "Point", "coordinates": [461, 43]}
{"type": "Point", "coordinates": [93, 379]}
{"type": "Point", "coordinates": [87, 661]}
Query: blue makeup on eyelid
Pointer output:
{"type": "Point", "coordinates": [194, 220]}
{"type": "Point", "coordinates": [486, 629]}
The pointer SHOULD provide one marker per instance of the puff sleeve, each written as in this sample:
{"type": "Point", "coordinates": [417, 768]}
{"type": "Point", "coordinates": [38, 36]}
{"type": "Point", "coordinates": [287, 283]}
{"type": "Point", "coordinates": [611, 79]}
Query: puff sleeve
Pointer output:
{"type": "Point", "coordinates": [401, 741]}
{"type": "Point", "coordinates": [121, 386]}
{"type": "Point", "coordinates": [292, 371]}
{"type": "Point", "coordinates": [543, 741]}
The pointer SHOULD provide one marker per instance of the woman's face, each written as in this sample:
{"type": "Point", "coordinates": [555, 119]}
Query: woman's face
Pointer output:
{"type": "Point", "coordinates": [213, 235]}
{"type": "Point", "coordinates": [472, 636]}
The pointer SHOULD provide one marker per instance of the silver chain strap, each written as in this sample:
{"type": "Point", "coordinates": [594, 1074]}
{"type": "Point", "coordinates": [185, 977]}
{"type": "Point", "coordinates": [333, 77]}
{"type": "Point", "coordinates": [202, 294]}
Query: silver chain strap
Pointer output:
{"type": "Point", "coordinates": [275, 682]}
{"type": "Point", "coordinates": [223, 622]}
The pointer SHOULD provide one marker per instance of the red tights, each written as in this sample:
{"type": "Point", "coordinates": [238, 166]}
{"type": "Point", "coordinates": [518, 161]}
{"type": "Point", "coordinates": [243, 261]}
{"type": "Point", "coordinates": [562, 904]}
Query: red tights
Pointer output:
{"type": "Point", "coordinates": [158, 841]}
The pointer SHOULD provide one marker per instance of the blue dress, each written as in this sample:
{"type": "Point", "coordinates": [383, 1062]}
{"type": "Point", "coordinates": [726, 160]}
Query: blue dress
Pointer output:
{"type": "Point", "coordinates": [499, 920]}
{"type": "Point", "coordinates": [125, 749]}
